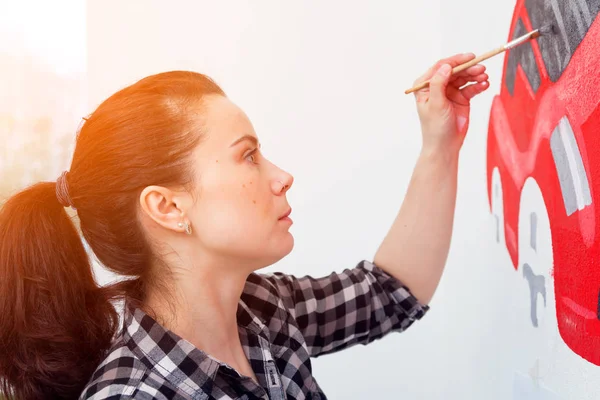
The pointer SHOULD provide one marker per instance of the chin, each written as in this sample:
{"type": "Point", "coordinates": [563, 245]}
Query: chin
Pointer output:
{"type": "Point", "coordinates": [289, 245]}
{"type": "Point", "coordinates": [288, 242]}
{"type": "Point", "coordinates": [285, 247]}
{"type": "Point", "coordinates": [280, 251]}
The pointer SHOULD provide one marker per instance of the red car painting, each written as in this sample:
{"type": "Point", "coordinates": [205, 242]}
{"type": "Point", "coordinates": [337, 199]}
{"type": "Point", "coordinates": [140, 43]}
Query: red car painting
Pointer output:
{"type": "Point", "coordinates": [543, 165]}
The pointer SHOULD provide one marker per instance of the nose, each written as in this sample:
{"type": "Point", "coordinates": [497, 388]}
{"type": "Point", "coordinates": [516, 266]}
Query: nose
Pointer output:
{"type": "Point", "coordinates": [282, 183]}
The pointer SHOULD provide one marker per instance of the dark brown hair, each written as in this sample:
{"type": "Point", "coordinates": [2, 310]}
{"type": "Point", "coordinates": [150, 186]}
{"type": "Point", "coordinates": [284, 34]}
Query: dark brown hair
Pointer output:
{"type": "Point", "coordinates": [56, 322]}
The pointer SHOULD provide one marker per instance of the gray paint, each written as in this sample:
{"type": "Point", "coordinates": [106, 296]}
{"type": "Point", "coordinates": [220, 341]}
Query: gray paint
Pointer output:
{"type": "Point", "coordinates": [524, 56]}
{"type": "Point", "coordinates": [537, 285]}
{"type": "Point", "coordinates": [496, 217]}
{"type": "Point", "coordinates": [533, 236]}
{"type": "Point", "coordinates": [571, 20]}
{"type": "Point", "coordinates": [564, 173]}
{"type": "Point", "coordinates": [497, 228]}
{"type": "Point", "coordinates": [570, 135]}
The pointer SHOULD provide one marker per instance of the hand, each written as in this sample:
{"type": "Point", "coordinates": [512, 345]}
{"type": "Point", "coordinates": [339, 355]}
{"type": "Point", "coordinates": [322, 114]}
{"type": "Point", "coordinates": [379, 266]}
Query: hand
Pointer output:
{"type": "Point", "coordinates": [444, 106]}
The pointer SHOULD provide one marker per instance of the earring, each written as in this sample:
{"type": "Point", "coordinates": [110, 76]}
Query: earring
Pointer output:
{"type": "Point", "coordinates": [188, 227]}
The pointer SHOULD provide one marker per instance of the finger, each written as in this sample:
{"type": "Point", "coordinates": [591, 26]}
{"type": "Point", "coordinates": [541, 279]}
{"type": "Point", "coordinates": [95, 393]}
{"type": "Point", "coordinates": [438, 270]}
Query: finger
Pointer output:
{"type": "Point", "coordinates": [478, 78]}
{"type": "Point", "coordinates": [422, 95]}
{"type": "Point", "coordinates": [453, 61]}
{"type": "Point", "coordinates": [455, 95]}
{"type": "Point", "coordinates": [472, 74]}
{"type": "Point", "coordinates": [474, 89]}
{"type": "Point", "coordinates": [438, 85]}
{"type": "Point", "coordinates": [461, 81]}
{"type": "Point", "coordinates": [471, 71]}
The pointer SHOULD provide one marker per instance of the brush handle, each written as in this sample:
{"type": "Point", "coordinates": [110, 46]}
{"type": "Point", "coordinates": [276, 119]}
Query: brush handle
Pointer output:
{"type": "Point", "coordinates": [462, 67]}
{"type": "Point", "coordinates": [479, 59]}
{"type": "Point", "coordinates": [517, 42]}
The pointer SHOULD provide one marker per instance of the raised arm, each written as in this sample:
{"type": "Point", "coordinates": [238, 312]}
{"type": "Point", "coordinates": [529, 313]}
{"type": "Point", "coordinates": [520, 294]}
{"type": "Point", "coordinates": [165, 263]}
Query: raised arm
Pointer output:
{"type": "Point", "coordinates": [416, 247]}
{"type": "Point", "coordinates": [355, 306]}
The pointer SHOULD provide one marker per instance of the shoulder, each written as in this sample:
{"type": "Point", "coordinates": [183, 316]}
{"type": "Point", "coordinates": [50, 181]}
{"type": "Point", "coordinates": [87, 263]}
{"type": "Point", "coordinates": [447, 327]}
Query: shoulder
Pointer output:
{"type": "Point", "coordinates": [263, 296]}
{"type": "Point", "coordinates": [117, 377]}
{"type": "Point", "coordinates": [268, 298]}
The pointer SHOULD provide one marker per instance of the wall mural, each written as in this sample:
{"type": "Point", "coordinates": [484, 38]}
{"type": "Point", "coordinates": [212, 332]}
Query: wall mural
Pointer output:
{"type": "Point", "coordinates": [543, 172]}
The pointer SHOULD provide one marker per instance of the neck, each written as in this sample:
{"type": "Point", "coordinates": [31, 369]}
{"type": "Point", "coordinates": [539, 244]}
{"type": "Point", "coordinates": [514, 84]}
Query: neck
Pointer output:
{"type": "Point", "coordinates": [201, 307]}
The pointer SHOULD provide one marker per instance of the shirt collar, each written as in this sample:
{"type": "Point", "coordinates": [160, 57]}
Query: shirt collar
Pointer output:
{"type": "Point", "coordinates": [163, 351]}
{"type": "Point", "coordinates": [173, 357]}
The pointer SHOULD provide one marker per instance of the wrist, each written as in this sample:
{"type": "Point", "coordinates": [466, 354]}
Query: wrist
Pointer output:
{"type": "Point", "coordinates": [440, 154]}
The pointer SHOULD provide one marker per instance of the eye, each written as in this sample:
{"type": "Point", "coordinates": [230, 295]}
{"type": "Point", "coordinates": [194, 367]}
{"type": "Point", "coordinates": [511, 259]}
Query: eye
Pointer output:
{"type": "Point", "coordinates": [252, 157]}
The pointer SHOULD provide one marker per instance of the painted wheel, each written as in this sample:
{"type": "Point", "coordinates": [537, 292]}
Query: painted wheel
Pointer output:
{"type": "Point", "coordinates": [535, 294]}
{"type": "Point", "coordinates": [497, 207]}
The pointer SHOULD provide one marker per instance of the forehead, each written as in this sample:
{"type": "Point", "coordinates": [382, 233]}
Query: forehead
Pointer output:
{"type": "Point", "coordinates": [223, 121]}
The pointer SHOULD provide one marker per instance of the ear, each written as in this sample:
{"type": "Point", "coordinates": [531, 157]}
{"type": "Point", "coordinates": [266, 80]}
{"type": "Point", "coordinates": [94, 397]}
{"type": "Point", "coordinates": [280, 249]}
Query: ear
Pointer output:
{"type": "Point", "coordinates": [165, 207]}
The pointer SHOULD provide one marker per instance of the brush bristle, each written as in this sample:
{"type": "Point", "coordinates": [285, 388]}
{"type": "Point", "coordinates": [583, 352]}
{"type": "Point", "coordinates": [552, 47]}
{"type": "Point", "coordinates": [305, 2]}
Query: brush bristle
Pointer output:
{"type": "Point", "coordinates": [546, 30]}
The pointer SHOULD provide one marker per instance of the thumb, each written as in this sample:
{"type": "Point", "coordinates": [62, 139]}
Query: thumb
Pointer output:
{"type": "Point", "coordinates": [438, 85]}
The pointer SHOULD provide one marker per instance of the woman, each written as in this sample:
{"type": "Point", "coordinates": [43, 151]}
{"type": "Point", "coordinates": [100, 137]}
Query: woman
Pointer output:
{"type": "Point", "coordinates": [173, 193]}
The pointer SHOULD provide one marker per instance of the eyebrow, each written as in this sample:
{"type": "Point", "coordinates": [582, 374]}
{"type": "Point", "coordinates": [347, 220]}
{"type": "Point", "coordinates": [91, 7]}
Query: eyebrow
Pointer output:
{"type": "Point", "coordinates": [246, 137]}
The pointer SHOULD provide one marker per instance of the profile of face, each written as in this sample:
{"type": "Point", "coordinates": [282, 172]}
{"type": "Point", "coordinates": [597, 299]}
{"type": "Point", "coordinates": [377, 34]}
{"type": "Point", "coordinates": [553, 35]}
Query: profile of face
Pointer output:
{"type": "Point", "coordinates": [238, 210]}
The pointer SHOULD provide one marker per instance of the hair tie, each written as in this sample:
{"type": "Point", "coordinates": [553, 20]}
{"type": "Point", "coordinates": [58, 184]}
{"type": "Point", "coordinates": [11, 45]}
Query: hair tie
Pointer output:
{"type": "Point", "coordinates": [62, 191]}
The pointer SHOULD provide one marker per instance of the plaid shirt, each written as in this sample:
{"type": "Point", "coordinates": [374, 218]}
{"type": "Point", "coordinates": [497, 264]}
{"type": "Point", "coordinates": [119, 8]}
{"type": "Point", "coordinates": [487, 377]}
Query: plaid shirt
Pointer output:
{"type": "Point", "coordinates": [283, 321]}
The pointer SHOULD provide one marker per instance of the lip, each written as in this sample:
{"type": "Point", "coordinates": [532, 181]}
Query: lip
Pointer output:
{"type": "Point", "coordinates": [288, 212]}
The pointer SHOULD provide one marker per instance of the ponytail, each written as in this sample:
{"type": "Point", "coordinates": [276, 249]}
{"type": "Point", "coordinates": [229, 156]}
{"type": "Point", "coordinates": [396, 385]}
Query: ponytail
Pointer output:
{"type": "Point", "coordinates": [56, 323]}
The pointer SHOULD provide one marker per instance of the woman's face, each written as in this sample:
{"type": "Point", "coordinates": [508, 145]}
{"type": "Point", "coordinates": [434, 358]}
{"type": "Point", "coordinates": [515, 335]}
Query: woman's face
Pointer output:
{"type": "Point", "coordinates": [240, 208]}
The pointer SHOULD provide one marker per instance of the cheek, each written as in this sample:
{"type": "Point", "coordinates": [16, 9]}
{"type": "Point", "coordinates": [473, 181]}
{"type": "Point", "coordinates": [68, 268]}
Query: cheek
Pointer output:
{"type": "Point", "coordinates": [251, 194]}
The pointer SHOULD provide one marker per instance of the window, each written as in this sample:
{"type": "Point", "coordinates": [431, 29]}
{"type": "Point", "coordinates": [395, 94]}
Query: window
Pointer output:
{"type": "Point", "coordinates": [571, 20]}
{"type": "Point", "coordinates": [521, 55]}
{"type": "Point", "coordinates": [573, 180]}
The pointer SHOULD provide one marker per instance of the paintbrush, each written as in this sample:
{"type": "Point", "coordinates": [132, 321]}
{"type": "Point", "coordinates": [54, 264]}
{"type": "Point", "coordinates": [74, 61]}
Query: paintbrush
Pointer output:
{"type": "Point", "coordinates": [523, 39]}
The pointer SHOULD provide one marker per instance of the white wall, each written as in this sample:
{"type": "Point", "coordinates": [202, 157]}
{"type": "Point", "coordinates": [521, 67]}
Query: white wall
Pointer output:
{"type": "Point", "coordinates": [492, 351]}
{"type": "Point", "coordinates": [42, 89]}
{"type": "Point", "coordinates": [323, 84]}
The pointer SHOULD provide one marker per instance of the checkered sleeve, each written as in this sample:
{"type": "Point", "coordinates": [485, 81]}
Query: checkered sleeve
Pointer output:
{"type": "Point", "coordinates": [356, 306]}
